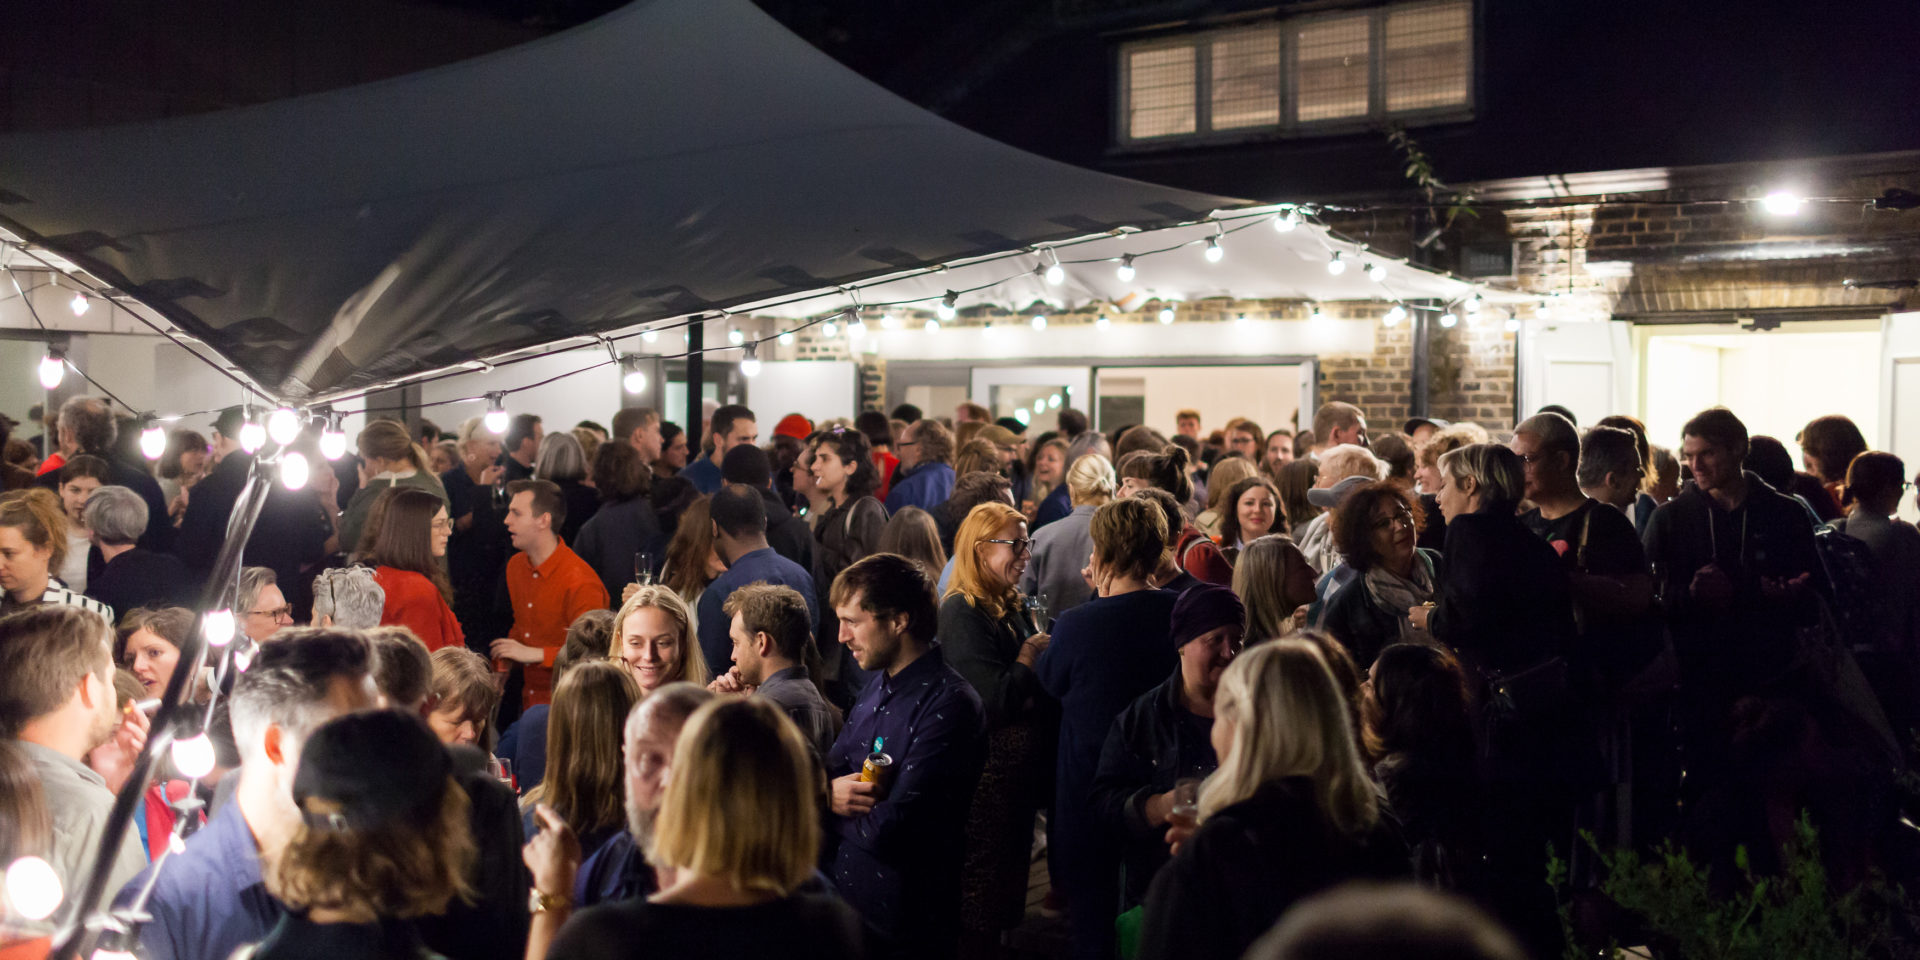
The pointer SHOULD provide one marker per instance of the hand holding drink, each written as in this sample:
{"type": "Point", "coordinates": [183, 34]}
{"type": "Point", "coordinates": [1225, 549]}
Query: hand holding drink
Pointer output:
{"type": "Point", "coordinates": [1183, 815]}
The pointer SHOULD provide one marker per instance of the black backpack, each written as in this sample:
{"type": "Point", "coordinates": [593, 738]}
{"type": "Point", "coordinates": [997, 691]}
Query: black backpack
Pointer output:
{"type": "Point", "coordinates": [1849, 567]}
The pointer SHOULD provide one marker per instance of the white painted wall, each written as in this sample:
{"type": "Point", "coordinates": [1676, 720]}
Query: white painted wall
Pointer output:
{"type": "Point", "coordinates": [1267, 394]}
{"type": "Point", "coordinates": [815, 389]}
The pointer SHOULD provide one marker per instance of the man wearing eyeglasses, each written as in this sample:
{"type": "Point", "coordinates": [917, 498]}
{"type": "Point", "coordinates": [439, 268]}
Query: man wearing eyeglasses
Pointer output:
{"type": "Point", "coordinates": [261, 609]}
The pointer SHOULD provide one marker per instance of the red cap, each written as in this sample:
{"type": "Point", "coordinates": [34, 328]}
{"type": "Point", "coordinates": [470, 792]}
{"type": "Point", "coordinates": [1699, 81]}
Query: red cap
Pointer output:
{"type": "Point", "coordinates": [795, 426]}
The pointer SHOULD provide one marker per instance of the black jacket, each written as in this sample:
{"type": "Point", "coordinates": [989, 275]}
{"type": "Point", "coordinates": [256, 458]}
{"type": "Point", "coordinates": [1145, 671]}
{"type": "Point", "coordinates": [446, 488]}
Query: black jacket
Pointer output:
{"type": "Point", "coordinates": [1505, 603]}
{"type": "Point", "coordinates": [494, 926]}
{"type": "Point", "coordinates": [1247, 864]}
{"type": "Point", "coordinates": [290, 536]}
{"type": "Point", "coordinates": [616, 532]}
{"type": "Point", "coordinates": [159, 535]}
{"type": "Point", "coordinates": [1359, 622]}
{"type": "Point", "coordinates": [1155, 742]}
{"type": "Point", "coordinates": [788, 535]}
{"type": "Point", "coordinates": [141, 578]}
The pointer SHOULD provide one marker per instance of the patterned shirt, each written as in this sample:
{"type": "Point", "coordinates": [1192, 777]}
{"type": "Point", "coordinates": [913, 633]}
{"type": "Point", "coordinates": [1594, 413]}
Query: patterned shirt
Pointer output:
{"type": "Point", "coordinates": [57, 592]}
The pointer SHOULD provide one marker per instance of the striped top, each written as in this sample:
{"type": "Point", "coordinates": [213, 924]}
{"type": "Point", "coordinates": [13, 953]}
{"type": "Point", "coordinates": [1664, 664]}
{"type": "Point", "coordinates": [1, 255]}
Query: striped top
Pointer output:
{"type": "Point", "coordinates": [57, 592]}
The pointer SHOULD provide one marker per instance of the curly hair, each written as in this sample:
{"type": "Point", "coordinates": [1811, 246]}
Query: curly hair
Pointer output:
{"type": "Point", "coordinates": [1353, 522]}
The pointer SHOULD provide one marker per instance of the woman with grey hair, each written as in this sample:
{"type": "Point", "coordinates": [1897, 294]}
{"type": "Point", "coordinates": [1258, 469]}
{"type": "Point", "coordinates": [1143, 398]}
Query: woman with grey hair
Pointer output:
{"type": "Point", "coordinates": [562, 460]}
{"type": "Point", "coordinates": [131, 577]}
{"type": "Point", "coordinates": [348, 598]}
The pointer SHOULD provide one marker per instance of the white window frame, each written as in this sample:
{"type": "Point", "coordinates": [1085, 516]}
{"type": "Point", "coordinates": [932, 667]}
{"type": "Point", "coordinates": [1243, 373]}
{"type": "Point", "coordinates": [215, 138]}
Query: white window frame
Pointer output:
{"type": "Point", "coordinates": [1290, 125]}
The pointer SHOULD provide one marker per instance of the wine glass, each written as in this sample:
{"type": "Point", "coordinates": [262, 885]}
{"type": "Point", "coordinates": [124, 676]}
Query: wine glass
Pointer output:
{"type": "Point", "coordinates": [1037, 614]}
{"type": "Point", "coordinates": [643, 568]}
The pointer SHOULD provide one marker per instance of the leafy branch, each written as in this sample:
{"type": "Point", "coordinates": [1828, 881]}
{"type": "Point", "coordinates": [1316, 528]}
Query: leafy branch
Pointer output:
{"type": "Point", "coordinates": [1419, 169]}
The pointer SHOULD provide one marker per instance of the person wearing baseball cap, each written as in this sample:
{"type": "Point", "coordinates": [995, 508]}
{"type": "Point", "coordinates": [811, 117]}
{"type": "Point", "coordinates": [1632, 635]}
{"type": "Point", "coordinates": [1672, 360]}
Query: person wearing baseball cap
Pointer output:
{"type": "Point", "coordinates": [384, 838]}
{"type": "Point", "coordinates": [1418, 429]}
{"type": "Point", "coordinates": [1162, 738]}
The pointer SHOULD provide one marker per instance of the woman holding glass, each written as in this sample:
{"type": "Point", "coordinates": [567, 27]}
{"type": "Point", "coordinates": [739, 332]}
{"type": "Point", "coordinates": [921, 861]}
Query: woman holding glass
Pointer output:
{"type": "Point", "coordinates": [622, 540]}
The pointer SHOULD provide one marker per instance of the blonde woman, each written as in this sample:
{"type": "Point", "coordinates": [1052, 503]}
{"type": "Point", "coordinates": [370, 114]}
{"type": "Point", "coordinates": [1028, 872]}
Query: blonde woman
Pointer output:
{"type": "Point", "coordinates": [1061, 550]}
{"type": "Point", "coordinates": [1053, 497]}
{"type": "Point", "coordinates": [737, 837]}
{"type": "Point", "coordinates": [653, 635]}
{"type": "Point", "coordinates": [1274, 580]}
{"type": "Point", "coordinates": [1291, 811]}
{"type": "Point", "coordinates": [1226, 472]}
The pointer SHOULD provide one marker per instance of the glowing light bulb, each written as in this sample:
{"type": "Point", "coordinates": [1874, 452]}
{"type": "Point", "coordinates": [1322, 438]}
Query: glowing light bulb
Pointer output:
{"type": "Point", "coordinates": [1214, 251]}
{"type": "Point", "coordinates": [1782, 203]}
{"type": "Point", "coordinates": [333, 442]}
{"type": "Point", "coordinates": [79, 304]}
{"type": "Point", "coordinates": [153, 441]}
{"type": "Point", "coordinates": [283, 425]}
{"type": "Point", "coordinates": [1335, 265]}
{"type": "Point", "coordinates": [218, 626]}
{"type": "Point", "coordinates": [193, 756]}
{"type": "Point", "coordinates": [1039, 321]}
{"type": "Point", "coordinates": [1286, 221]}
{"type": "Point", "coordinates": [786, 339]}
{"type": "Point", "coordinates": [735, 337]}
{"type": "Point", "coordinates": [53, 369]}
{"type": "Point", "coordinates": [1394, 315]}
{"type": "Point", "coordinates": [1166, 315]}
{"type": "Point", "coordinates": [931, 326]}
{"type": "Point", "coordinates": [1475, 304]}
{"type": "Point", "coordinates": [990, 331]}
{"type": "Point", "coordinates": [1318, 315]}
{"type": "Point", "coordinates": [1240, 318]}
{"type": "Point", "coordinates": [829, 329]}
{"type": "Point", "coordinates": [946, 310]}
{"type": "Point", "coordinates": [856, 329]}
{"type": "Point", "coordinates": [633, 379]}
{"type": "Point", "coordinates": [889, 322]}
{"type": "Point", "coordinates": [1025, 418]}
{"type": "Point", "coordinates": [253, 436]}
{"type": "Point", "coordinates": [1056, 274]}
{"type": "Point", "coordinates": [33, 888]}
{"type": "Point", "coordinates": [1053, 402]}
{"type": "Point", "coordinates": [750, 363]}
{"type": "Point", "coordinates": [1102, 324]}
{"type": "Point", "coordinates": [1125, 271]}
{"type": "Point", "coordinates": [496, 419]}
{"type": "Point", "coordinates": [176, 845]}
{"type": "Point", "coordinates": [294, 470]}
{"type": "Point", "coordinates": [650, 336]}
{"type": "Point", "coordinates": [1376, 271]}
{"type": "Point", "coordinates": [1447, 320]}
{"type": "Point", "coordinates": [1513, 323]}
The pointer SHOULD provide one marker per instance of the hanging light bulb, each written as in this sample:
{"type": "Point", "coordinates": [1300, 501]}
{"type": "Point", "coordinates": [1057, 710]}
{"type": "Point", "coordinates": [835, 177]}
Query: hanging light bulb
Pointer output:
{"type": "Point", "coordinates": [283, 425]}
{"type": "Point", "coordinates": [1039, 321]}
{"type": "Point", "coordinates": [1055, 274]}
{"type": "Point", "coordinates": [1214, 252]}
{"type": "Point", "coordinates": [53, 368]}
{"type": "Point", "coordinates": [1021, 414]}
{"type": "Point", "coordinates": [931, 326]}
{"type": "Point", "coordinates": [33, 889]}
{"type": "Point", "coordinates": [1102, 324]}
{"type": "Point", "coordinates": [1040, 405]}
{"type": "Point", "coordinates": [1782, 203]}
{"type": "Point", "coordinates": [79, 304]}
{"type": "Point", "coordinates": [1240, 318]}
{"type": "Point", "coordinates": [786, 338]}
{"type": "Point", "coordinates": [889, 322]}
{"type": "Point", "coordinates": [294, 470]}
{"type": "Point", "coordinates": [735, 337]}
{"type": "Point", "coordinates": [1053, 402]}
{"type": "Point", "coordinates": [333, 441]}
{"type": "Point", "coordinates": [829, 330]}
{"type": "Point", "coordinates": [1513, 323]}
{"type": "Point", "coordinates": [1287, 220]}
{"type": "Point", "coordinates": [1448, 319]}
{"type": "Point", "coordinates": [193, 756]}
{"type": "Point", "coordinates": [650, 336]}
{"type": "Point", "coordinates": [1377, 272]}
{"type": "Point", "coordinates": [990, 331]}
{"type": "Point", "coordinates": [1125, 271]}
{"type": "Point", "coordinates": [218, 626]}
{"type": "Point", "coordinates": [496, 418]}
{"type": "Point", "coordinates": [253, 436]}
{"type": "Point", "coordinates": [1395, 314]}
{"type": "Point", "coordinates": [1335, 265]}
{"type": "Point", "coordinates": [1318, 315]}
{"type": "Point", "coordinates": [1166, 315]}
{"type": "Point", "coordinates": [633, 378]}
{"type": "Point", "coordinates": [153, 440]}
{"type": "Point", "coordinates": [946, 310]}
{"type": "Point", "coordinates": [856, 327]}
{"type": "Point", "coordinates": [750, 361]}
{"type": "Point", "coordinates": [1475, 304]}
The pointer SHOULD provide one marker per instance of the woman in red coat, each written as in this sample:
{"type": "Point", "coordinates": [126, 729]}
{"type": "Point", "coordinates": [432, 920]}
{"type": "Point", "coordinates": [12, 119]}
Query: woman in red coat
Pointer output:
{"type": "Point", "coordinates": [407, 555]}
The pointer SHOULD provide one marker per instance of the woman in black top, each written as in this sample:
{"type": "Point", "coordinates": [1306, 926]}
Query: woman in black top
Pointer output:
{"type": "Point", "coordinates": [739, 832]}
{"type": "Point", "coordinates": [1375, 530]}
{"type": "Point", "coordinates": [625, 525]}
{"type": "Point", "coordinates": [989, 638]}
{"type": "Point", "coordinates": [563, 461]}
{"type": "Point", "coordinates": [847, 530]}
{"type": "Point", "coordinates": [1417, 724]}
{"type": "Point", "coordinates": [1290, 812]}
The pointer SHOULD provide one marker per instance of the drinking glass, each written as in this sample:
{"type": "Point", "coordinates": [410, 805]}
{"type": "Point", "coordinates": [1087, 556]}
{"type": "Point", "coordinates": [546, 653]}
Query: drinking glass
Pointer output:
{"type": "Point", "coordinates": [1037, 612]}
{"type": "Point", "coordinates": [1186, 802]}
{"type": "Point", "coordinates": [500, 497]}
{"type": "Point", "coordinates": [643, 568]}
{"type": "Point", "coordinates": [502, 770]}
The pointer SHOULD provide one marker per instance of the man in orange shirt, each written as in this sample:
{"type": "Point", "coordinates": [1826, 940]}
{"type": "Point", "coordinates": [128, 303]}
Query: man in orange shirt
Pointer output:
{"type": "Point", "coordinates": [549, 585]}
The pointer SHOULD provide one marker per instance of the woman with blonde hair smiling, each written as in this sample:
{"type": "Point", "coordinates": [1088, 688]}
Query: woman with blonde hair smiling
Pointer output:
{"type": "Point", "coordinates": [1290, 812]}
{"type": "Point", "coordinates": [1061, 550]}
{"type": "Point", "coordinates": [653, 635]}
{"type": "Point", "coordinates": [737, 837]}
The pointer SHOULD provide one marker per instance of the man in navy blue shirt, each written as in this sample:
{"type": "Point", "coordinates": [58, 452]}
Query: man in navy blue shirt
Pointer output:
{"type": "Point", "coordinates": [732, 425]}
{"type": "Point", "coordinates": [894, 847]}
{"type": "Point", "coordinates": [740, 538]}
{"type": "Point", "coordinates": [925, 476]}
{"type": "Point", "coordinates": [210, 899]}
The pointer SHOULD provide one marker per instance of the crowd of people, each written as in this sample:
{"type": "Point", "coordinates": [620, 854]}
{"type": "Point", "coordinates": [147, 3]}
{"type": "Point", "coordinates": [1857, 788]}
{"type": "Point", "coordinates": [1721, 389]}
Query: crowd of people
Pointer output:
{"type": "Point", "coordinates": [835, 691]}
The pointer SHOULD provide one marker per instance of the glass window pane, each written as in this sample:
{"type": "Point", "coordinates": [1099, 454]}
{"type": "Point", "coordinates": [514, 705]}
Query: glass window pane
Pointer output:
{"type": "Point", "coordinates": [1160, 94]}
{"type": "Point", "coordinates": [1330, 76]}
{"type": "Point", "coordinates": [1246, 78]}
{"type": "Point", "coordinates": [1428, 56]}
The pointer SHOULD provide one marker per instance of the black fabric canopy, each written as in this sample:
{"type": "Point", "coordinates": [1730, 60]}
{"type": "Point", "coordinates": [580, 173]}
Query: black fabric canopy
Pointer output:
{"type": "Point", "coordinates": [671, 157]}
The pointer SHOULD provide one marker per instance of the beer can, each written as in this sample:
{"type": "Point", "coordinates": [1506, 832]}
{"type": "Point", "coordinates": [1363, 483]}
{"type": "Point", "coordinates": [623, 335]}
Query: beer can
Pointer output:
{"type": "Point", "coordinates": [876, 768]}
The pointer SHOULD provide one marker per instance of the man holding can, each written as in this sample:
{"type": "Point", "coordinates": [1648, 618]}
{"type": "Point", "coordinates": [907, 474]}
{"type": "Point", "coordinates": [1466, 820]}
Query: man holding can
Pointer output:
{"type": "Point", "coordinates": [898, 831]}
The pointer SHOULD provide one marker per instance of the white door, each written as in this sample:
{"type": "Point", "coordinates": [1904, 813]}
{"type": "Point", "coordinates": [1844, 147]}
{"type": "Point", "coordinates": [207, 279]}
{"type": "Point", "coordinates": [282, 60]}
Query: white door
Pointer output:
{"type": "Point", "coordinates": [1899, 431]}
{"type": "Point", "coordinates": [1583, 365]}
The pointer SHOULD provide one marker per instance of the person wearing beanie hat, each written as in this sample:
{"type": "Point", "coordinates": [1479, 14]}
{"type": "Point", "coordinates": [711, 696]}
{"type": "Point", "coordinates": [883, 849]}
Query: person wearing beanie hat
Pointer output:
{"type": "Point", "coordinates": [1164, 737]}
{"type": "Point", "coordinates": [384, 839]}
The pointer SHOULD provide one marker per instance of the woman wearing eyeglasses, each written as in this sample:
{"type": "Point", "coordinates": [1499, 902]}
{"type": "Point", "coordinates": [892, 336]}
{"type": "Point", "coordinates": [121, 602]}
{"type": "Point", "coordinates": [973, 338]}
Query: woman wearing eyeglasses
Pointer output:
{"type": "Point", "coordinates": [1376, 529]}
{"type": "Point", "coordinates": [990, 638]}
{"type": "Point", "coordinates": [408, 548]}
{"type": "Point", "coordinates": [1104, 654]}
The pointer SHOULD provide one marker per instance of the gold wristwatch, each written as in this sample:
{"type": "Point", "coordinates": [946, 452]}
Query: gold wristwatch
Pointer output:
{"type": "Point", "coordinates": [538, 902]}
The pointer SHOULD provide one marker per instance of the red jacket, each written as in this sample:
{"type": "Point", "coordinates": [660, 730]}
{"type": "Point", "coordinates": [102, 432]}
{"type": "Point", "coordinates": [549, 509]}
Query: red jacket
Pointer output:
{"type": "Point", "coordinates": [415, 603]}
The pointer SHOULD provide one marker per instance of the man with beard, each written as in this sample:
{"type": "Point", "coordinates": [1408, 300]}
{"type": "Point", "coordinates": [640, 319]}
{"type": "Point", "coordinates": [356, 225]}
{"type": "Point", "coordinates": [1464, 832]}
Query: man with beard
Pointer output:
{"type": "Point", "coordinates": [57, 703]}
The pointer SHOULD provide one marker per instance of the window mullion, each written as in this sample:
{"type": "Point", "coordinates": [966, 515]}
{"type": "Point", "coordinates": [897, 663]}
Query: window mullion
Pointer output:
{"type": "Point", "coordinates": [1203, 84]}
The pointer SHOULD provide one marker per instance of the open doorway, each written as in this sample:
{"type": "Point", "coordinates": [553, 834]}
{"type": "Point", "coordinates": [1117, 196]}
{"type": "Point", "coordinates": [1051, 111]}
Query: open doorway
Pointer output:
{"type": "Point", "coordinates": [1776, 380]}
